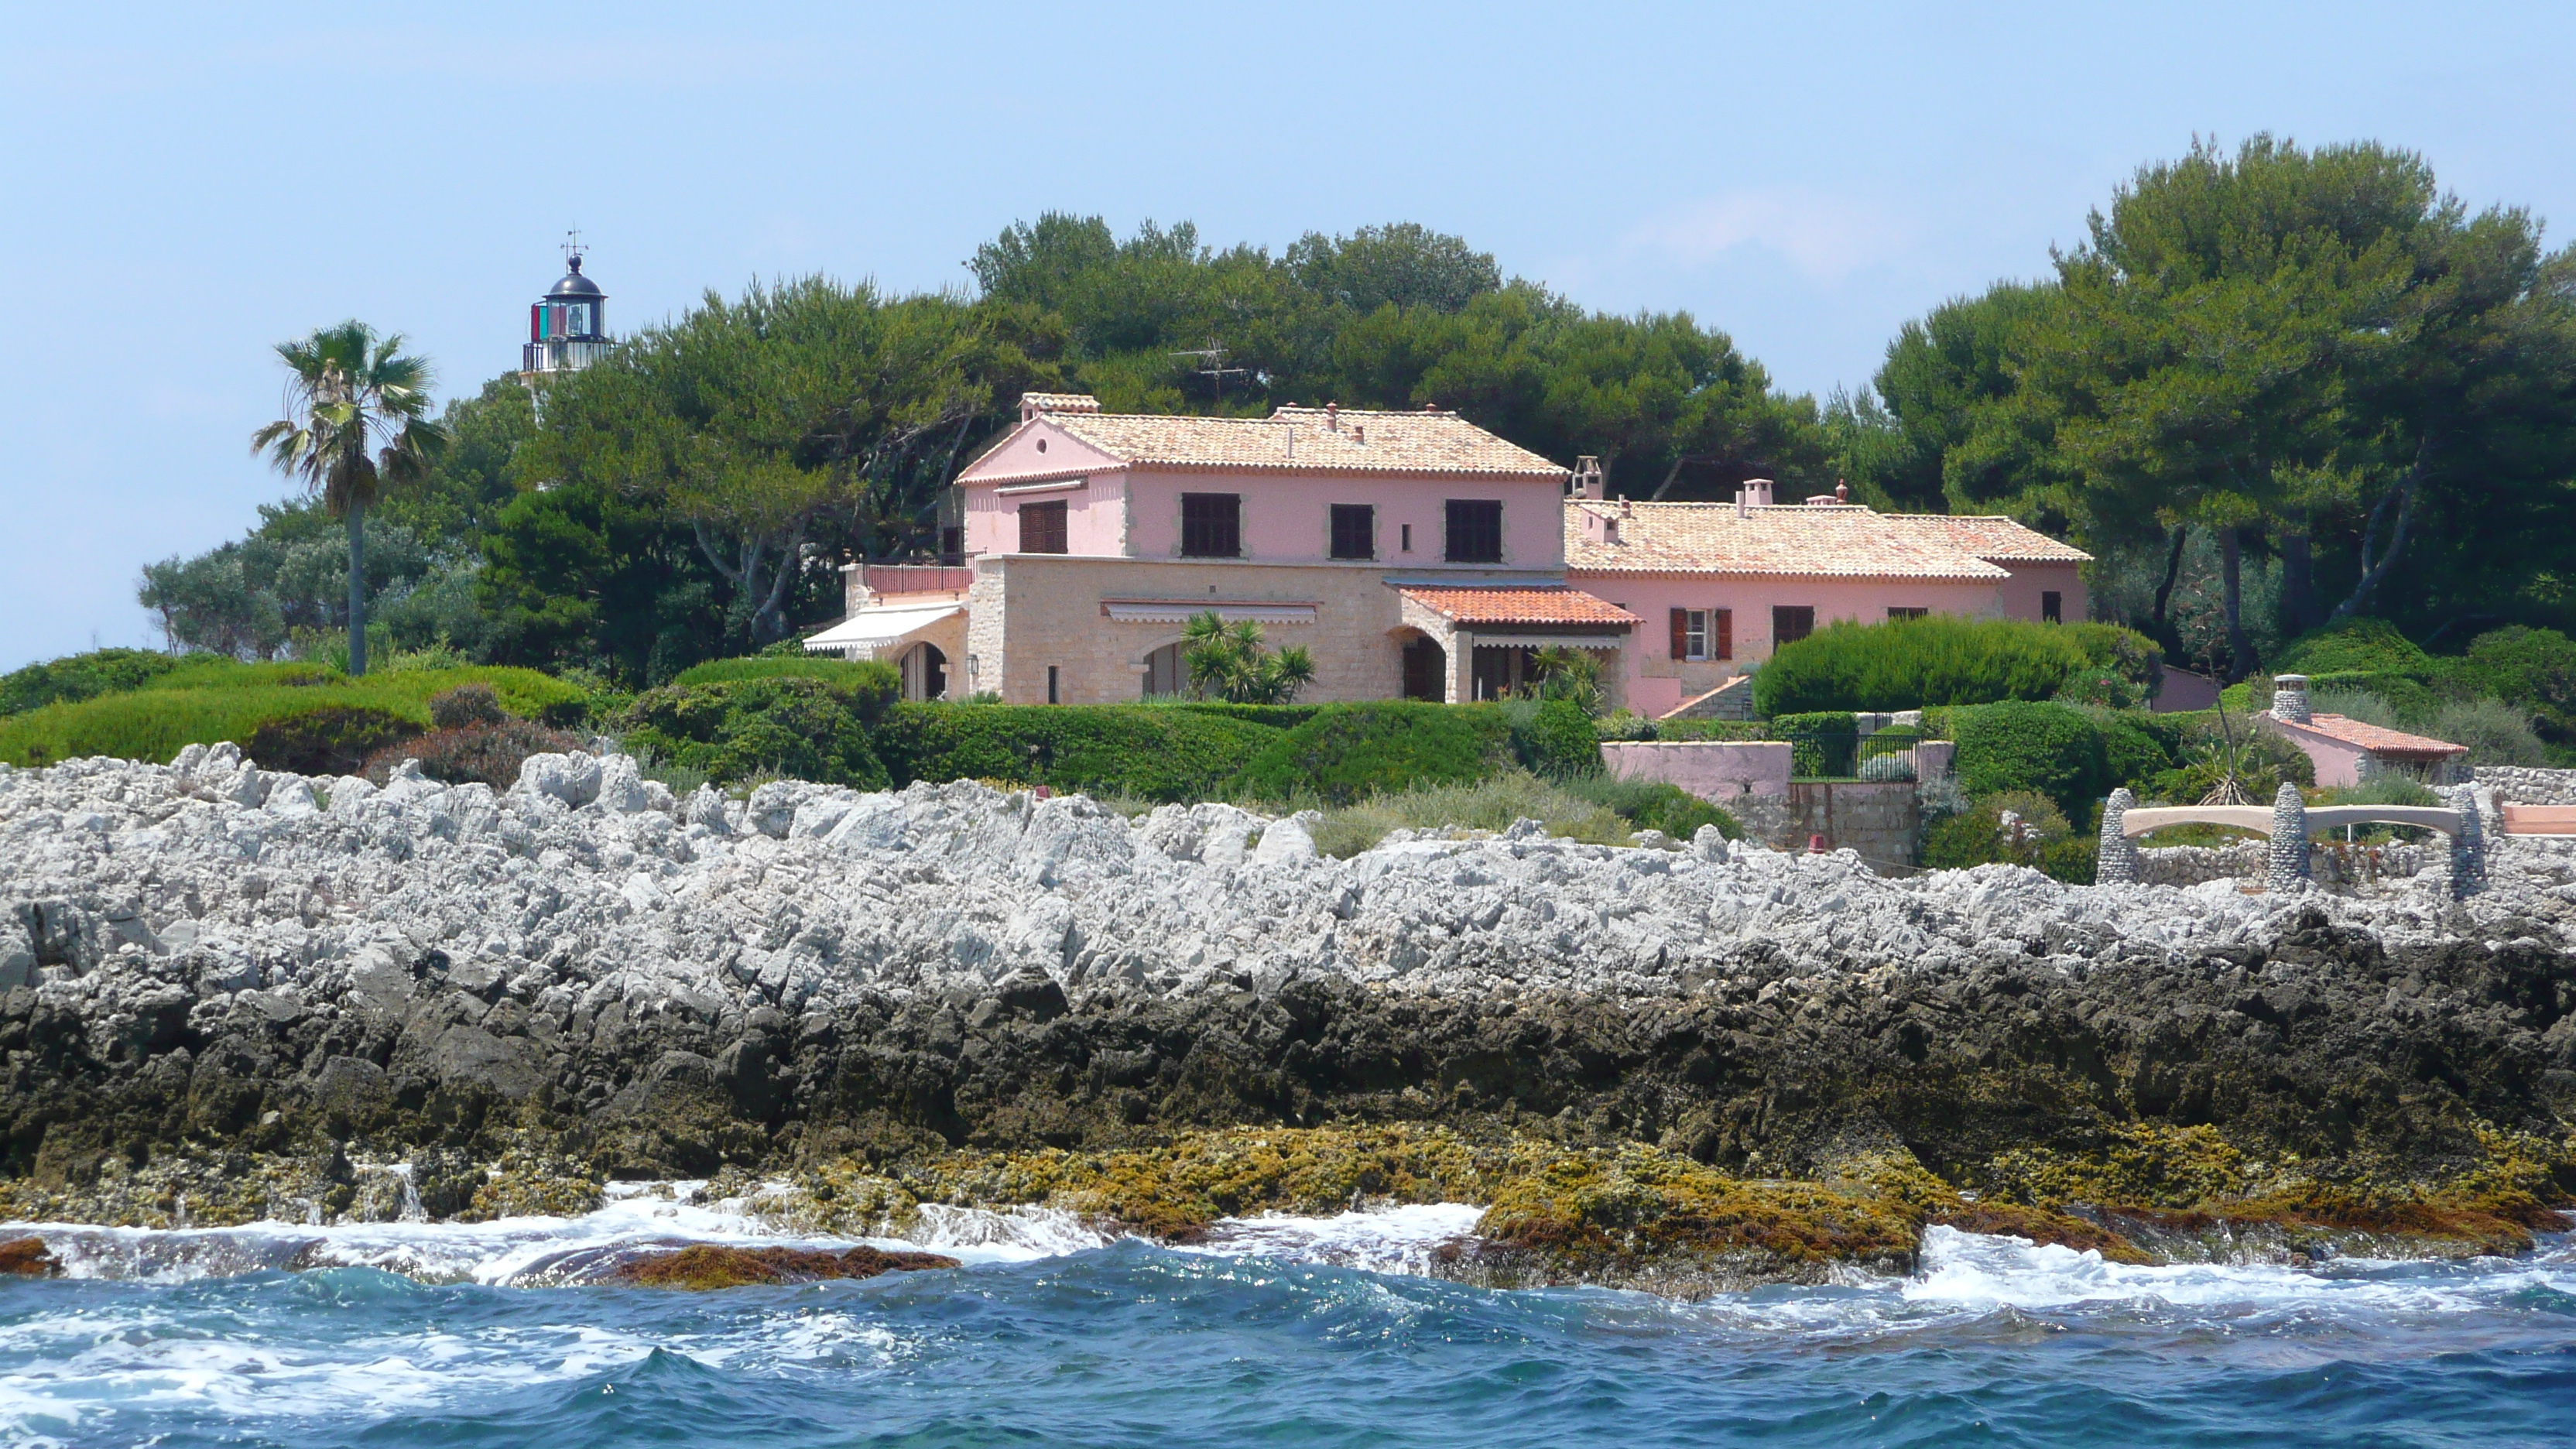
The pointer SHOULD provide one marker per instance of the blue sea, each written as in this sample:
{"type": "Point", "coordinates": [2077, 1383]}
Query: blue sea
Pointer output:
{"type": "Point", "coordinates": [1283, 1331]}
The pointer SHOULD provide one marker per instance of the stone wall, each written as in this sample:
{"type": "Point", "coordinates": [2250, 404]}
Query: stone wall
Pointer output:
{"type": "Point", "coordinates": [2331, 864]}
{"type": "Point", "coordinates": [1717, 770]}
{"type": "Point", "coordinates": [2517, 785]}
{"type": "Point", "coordinates": [1882, 822]}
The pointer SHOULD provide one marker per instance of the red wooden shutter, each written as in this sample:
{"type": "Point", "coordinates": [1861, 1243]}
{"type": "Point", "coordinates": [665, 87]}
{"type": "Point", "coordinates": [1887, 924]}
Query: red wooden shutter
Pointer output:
{"type": "Point", "coordinates": [1681, 633]}
{"type": "Point", "coordinates": [1722, 621]}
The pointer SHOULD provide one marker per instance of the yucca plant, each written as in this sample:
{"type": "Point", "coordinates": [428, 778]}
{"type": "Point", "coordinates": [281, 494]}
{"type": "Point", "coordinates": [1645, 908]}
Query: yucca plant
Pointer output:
{"type": "Point", "coordinates": [357, 422]}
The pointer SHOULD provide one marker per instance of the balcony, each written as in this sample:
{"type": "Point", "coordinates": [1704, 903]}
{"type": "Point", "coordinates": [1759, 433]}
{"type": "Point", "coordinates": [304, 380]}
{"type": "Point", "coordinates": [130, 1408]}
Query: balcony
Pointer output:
{"type": "Point", "coordinates": [562, 354]}
{"type": "Point", "coordinates": [895, 579]}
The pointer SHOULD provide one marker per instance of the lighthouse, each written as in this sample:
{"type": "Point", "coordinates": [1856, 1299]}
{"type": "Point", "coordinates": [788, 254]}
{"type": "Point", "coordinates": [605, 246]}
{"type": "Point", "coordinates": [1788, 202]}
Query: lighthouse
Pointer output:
{"type": "Point", "coordinates": [568, 326]}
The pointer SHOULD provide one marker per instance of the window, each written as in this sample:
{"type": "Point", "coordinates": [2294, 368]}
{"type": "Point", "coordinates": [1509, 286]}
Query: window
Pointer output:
{"type": "Point", "coordinates": [1212, 525]}
{"type": "Point", "coordinates": [1791, 623]}
{"type": "Point", "coordinates": [952, 546]}
{"type": "Point", "coordinates": [1354, 530]}
{"type": "Point", "coordinates": [1042, 527]}
{"type": "Point", "coordinates": [2052, 607]}
{"type": "Point", "coordinates": [1407, 531]}
{"type": "Point", "coordinates": [1052, 696]}
{"type": "Point", "coordinates": [1475, 530]}
{"type": "Point", "coordinates": [1703, 633]}
{"type": "Point", "coordinates": [1894, 612]}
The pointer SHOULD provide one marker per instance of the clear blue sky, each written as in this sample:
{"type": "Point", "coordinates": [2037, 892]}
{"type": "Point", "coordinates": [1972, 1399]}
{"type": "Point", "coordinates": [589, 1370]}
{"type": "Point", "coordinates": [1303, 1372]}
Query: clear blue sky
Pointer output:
{"type": "Point", "coordinates": [186, 186]}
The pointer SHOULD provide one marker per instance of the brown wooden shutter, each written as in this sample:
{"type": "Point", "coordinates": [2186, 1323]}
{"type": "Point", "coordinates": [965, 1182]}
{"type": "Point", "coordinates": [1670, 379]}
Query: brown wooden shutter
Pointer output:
{"type": "Point", "coordinates": [1722, 621]}
{"type": "Point", "coordinates": [1681, 633]}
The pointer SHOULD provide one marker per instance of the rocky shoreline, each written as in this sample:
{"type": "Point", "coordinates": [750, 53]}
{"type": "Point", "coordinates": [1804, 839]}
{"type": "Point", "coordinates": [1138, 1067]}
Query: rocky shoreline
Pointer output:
{"type": "Point", "coordinates": [232, 994]}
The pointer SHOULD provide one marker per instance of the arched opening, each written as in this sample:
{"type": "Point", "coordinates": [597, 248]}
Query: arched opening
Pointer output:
{"type": "Point", "coordinates": [1164, 674]}
{"type": "Point", "coordinates": [1426, 670]}
{"type": "Point", "coordinates": [925, 672]}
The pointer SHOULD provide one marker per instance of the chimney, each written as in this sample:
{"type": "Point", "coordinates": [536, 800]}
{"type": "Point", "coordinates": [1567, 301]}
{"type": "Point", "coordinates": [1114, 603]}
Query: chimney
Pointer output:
{"type": "Point", "coordinates": [1333, 416]}
{"type": "Point", "coordinates": [1359, 433]}
{"type": "Point", "coordinates": [1626, 508]}
{"type": "Point", "coordinates": [1587, 477]}
{"type": "Point", "coordinates": [1756, 493]}
{"type": "Point", "coordinates": [2290, 698]}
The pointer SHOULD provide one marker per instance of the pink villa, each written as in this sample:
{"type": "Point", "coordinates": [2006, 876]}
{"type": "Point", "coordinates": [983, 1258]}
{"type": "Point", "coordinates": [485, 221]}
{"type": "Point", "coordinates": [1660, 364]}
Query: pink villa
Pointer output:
{"type": "Point", "coordinates": [1414, 554]}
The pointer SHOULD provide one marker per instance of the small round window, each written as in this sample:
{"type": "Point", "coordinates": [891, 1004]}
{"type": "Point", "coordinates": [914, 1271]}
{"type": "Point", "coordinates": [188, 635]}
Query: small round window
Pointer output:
{"type": "Point", "coordinates": [1041, 445]}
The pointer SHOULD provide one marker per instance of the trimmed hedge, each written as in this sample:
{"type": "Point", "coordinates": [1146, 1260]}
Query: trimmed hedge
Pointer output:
{"type": "Point", "coordinates": [1820, 743]}
{"type": "Point", "coordinates": [81, 676]}
{"type": "Point", "coordinates": [1553, 737]}
{"type": "Point", "coordinates": [872, 676]}
{"type": "Point", "coordinates": [793, 725]}
{"type": "Point", "coordinates": [1910, 663]}
{"type": "Point", "coordinates": [2355, 646]}
{"type": "Point", "coordinates": [2532, 668]}
{"type": "Point", "coordinates": [1153, 752]}
{"type": "Point", "coordinates": [203, 702]}
{"type": "Point", "coordinates": [2048, 749]}
{"type": "Point", "coordinates": [1349, 751]}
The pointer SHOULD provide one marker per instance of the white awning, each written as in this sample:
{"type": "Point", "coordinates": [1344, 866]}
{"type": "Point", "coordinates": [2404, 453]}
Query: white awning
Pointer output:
{"type": "Point", "coordinates": [1136, 611]}
{"type": "Point", "coordinates": [871, 630]}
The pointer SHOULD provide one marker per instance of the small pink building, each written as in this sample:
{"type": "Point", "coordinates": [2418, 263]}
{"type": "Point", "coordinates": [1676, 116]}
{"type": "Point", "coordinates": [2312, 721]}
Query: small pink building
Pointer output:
{"type": "Point", "coordinates": [1729, 582]}
{"type": "Point", "coordinates": [2349, 751]}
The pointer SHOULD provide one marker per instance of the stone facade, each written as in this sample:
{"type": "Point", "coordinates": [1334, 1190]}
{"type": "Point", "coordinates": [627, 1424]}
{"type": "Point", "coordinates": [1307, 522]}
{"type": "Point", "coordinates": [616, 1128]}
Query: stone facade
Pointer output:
{"type": "Point", "coordinates": [2520, 785]}
{"type": "Point", "coordinates": [1032, 612]}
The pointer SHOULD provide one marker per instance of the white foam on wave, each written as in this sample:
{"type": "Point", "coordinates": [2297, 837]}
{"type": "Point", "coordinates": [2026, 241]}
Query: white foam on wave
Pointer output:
{"type": "Point", "coordinates": [531, 1251]}
{"type": "Point", "coordinates": [1978, 1271]}
{"type": "Point", "coordinates": [1379, 1240]}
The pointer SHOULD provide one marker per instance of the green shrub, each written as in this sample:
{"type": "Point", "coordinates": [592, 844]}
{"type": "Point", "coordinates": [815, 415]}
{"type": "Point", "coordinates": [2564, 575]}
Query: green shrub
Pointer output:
{"type": "Point", "coordinates": [1491, 803]}
{"type": "Point", "coordinates": [2049, 749]}
{"type": "Point", "coordinates": [80, 676]}
{"type": "Point", "coordinates": [2404, 702]}
{"type": "Point", "coordinates": [2264, 759]}
{"type": "Point", "coordinates": [465, 706]}
{"type": "Point", "coordinates": [2130, 755]}
{"type": "Point", "coordinates": [488, 751]}
{"type": "Point", "coordinates": [2381, 790]}
{"type": "Point", "coordinates": [864, 676]}
{"type": "Point", "coordinates": [334, 739]}
{"type": "Point", "coordinates": [1622, 724]}
{"type": "Point", "coordinates": [2532, 668]}
{"type": "Point", "coordinates": [1148, 751]}
{"type": "Point", "coordinates": [207, 699]}
{"type": "Point", "coordinates": [2135, 661]}
{"type": "Point", "coordinates": [2496, 733]}
{"type": "Point", "coordinates": [1909, 663]}
{"type": "Point", "coordinates": [1711, 729]}
{"type": "Point", "coordinates": [794, 725]}
{"type": "Point", "coordinates": [2355, 646]}
{"type": "Point", "coordinates": [1346, 752]}
{"type": "Point", "coordinates": [1820, 743]}
{"type": "Point", "coordinates": [2042, 839]}
{"type": "Point", "coordinates": [1552, 737]}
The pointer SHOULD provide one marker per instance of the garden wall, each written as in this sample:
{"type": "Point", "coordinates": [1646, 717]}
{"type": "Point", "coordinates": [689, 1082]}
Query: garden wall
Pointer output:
{"type": "Point", "coordinates": [1881, 821]}
{"type": "Point", "coordinates": [1718, 770]}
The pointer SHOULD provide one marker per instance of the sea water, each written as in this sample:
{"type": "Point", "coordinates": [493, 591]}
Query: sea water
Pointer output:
{"type": "Point", "coordinates": [1278, 1331]}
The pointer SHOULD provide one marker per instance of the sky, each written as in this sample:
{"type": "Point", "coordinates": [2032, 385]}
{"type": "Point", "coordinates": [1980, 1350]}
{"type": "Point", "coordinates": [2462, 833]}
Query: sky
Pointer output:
{"type": "Point", "coordinates": [184, 187]}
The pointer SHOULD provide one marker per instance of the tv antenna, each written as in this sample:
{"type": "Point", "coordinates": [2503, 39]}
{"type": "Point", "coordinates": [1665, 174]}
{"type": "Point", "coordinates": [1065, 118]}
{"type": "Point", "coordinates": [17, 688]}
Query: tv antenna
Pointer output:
{"type": "Point", "coordinates": [1215, 370]}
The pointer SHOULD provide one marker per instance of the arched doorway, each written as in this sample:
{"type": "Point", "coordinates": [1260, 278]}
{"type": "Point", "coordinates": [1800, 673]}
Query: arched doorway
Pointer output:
{"type": "Point", "coordinates": [925, 672]}
{"type": "Point", "coordinates": [1164, 674]}
{"type": "Point", "coordinates": [1426, 670]}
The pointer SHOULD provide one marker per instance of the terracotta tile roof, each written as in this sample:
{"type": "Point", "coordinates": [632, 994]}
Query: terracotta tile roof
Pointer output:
{"type": "Point", "coordinates": [1059, 402]}
{"type": "Point", "coordinates": [2377, 740]}
{"type": "Point", "coordinates": [1358, 441]}
{"type": "Point", "coordinates": [1843, 541]}
{"type": "Point", "coordinates": [1992, 537]}
{"type": "Point", "coordinates": [1516, 605]}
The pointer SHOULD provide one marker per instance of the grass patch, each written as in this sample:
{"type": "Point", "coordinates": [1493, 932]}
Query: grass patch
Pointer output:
{"type": "Point", "coordinates": [201, 703]}
{"type": "Point", "coordinates": [1488, 804]}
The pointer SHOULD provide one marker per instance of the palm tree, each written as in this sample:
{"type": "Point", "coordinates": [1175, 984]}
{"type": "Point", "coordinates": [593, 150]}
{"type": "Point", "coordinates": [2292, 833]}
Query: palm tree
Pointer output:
{"type": "Point", "coordinates": [356, 423]}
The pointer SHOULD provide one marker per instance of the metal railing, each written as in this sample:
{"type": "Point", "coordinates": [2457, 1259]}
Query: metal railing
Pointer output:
{"type": "Point", "coordinates": [560, 354]}
{"type": "Point", "coordinates": [1846, 757]}
{"type": "Point", "coordinates": [881, 578]}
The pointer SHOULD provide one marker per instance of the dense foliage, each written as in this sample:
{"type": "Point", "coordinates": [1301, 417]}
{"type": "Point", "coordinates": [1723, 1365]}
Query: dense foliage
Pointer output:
{"type": "Point", "coordinates": [2047, 749]}
{"type": "Point", "coordinates": [1146, 751]}
{"type": "Point", "coordinates": [2300, 383]}
{"type": "Point", "coordinates": [1910, 663]}
{"type": "Point", "coordinates": [81, 676]}
{"type": "Point", "coordinates": [1347, 751]}
{"type": "Point", "coordinates": [782, 724]}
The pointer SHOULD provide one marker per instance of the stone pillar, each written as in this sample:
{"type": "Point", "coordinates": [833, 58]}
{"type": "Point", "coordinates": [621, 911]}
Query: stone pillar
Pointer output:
{"type": "Point", "coordinates": [2469, 847]}
{"type": "Point", "coordinates": [1462, 667]}
{"type": "Point", "coordinates": [2286, 863]}
{"type": "Point", "coordinates": [2115, 860]}
{"type": "Point", "coordinates": [2290, 698]}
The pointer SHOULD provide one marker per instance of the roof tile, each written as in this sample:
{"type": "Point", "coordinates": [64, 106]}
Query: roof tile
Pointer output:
{"type": "Point", "coordinates": [1354, 440]}
{"type": "Point", "coordinates": [1991, 537]}
{"type": "Point", "coordinates": [2379, 740]}
{"type": "Point", "coordinates": [1807, 540]}
{"type": "Point", "coordinates": [1519, 606]}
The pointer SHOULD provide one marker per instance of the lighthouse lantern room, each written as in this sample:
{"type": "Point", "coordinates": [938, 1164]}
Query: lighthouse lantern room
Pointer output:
{"type": "Point", "coordinates": [568, 326]}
